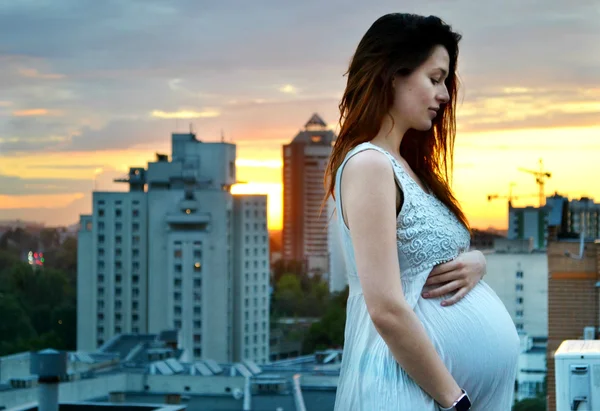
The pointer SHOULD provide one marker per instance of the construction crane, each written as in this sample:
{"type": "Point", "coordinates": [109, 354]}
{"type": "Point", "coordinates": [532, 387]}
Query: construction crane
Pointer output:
{"type": "Point", "coordinates": [510, 195]}
{"type": "Point", "coordinates": [540, 176]}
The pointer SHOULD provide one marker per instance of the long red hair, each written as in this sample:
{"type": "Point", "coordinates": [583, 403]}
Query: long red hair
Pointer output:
{"type": "Point", "coordinates": [396, 44]}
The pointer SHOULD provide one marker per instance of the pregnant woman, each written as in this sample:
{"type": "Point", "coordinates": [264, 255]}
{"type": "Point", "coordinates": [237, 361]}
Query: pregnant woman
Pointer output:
{"type": "Point", "coordinates": [423, 332]}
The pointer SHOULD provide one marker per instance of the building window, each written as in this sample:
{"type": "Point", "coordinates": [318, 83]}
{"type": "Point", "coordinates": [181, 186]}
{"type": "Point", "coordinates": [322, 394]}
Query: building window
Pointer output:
{"type": "Point", "coordinates": [100, 278]}
{"type": "Point", "coordinates": [117, 290]}
{"type": "Point", "coordinates": [519, 300]}
{"type": "Point", "coordinates": [197, 310]}
{"type": "Point", "coordinates": [519, 274]}
{"type": "Point", "coordinates": [101, 239]}
{"type": "Point", "coordinates": [177, 296]}
{"type": "Point", "coordinates": [100, 226]}
{"type": "Point", "coordinates": [197, 324]}
{"type": "Point", "coordinates": [177, 310]}
{"type": "Point", "coordinates": [135, 330]}
{"type": "Point", "coordinates": [117, 317]}
{"type": "Point", "coordinates": [134, 305]}
{"type": "Point", "coordinates": [118, 226]}
{"type": "Point", "coordinates": [135, 279]}
{"type": "Point", "coordinates": [101, 212]}
{"type": "Point", "coordinates": [135, 212]}
{"type": "Point", "coordinates": [197, 338]}
{"type": "Point", "coordinates": [136, 252]}
{"type": "Point", "coordinates": [198, 282]}
{"type": "Point", "coordinates": [197, 267]}
{"type": "Point", "coordinates": [118, 239]}
{"type": "Point", "coordinates": [135, 227]}
{"type": "Point", "coordinates": [177, 268]}
{"type": "Point", "coordinates": [519, 287]}
{"type": "Point", "coordinates": [197, 254]}
{"type": "Point", "coordinates": [118, 212]}
{"type": "Point", "coordinates": [135, 239]}
{"type": "Point", "coordinates": [519, 326]}
{"type": "Point", "coordinates": [118, 278]}
{"type": "Point", "coordinates": [177, 282]}
{"type": "Point", "coordinates": [135, 317]}
{"type": "Point", "coordinates": [177, 253]}
{"type": "Point", "coordinates": [100, 330]}
{"type": "Point", "coordinates": [178, 324]}
{"type": "Point", "coordinates": [197, 352]}
{"type": "Point", "coordinates": [118, 304]}
{"type": "Point", "coordinates": [519, 313]}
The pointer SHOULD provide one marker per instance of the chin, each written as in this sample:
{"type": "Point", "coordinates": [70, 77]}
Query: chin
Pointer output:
{"type": "Point", "coordinates": [425, 126]}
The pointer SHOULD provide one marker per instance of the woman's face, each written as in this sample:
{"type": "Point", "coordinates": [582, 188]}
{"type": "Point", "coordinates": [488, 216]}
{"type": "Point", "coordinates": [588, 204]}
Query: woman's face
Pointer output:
{"type": "Point", "coordinates": [418, 96]}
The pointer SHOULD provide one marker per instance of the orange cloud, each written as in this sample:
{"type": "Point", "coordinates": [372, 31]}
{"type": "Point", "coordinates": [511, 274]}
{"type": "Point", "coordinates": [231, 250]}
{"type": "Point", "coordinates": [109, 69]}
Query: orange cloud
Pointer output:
{"type": "Point", "coordinates": [36, 112]}
{"type": "Point", "coordinates": [185, 114]}
{"type": "Point", "coordinates": [33, 73]}
{"type": "Point", "coordinates": [38, 200]}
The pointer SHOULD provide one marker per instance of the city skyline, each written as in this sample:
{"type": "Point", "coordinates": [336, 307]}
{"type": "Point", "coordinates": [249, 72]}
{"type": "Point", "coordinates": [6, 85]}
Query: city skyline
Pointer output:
{"type": "Point", "coordinates": [81, 105]}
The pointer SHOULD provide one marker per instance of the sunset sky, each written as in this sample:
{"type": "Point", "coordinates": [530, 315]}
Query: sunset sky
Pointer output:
{"type": "Point", "coordinates": [89, 88]}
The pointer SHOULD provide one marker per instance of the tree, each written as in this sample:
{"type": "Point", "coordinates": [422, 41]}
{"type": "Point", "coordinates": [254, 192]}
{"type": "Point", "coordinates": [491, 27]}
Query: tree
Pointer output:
{"type": "Point", "coordinates": [15, 326]}
{"type": "Point", "coordinates": [329, 331]}
{"type": "Point", "coordinates": [49, 238]}
{"type": "Point", "coordinates": [288, 295]}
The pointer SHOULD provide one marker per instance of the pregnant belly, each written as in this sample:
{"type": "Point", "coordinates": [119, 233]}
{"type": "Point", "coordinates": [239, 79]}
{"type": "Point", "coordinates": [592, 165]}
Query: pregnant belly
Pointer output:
{"type": "Point", "coordinates": [475, 337]}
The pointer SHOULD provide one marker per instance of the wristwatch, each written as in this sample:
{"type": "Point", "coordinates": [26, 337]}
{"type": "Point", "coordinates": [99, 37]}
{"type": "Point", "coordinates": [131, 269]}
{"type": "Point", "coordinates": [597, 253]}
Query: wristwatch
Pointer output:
{"type": "Point", "coordinates": [463, 403]}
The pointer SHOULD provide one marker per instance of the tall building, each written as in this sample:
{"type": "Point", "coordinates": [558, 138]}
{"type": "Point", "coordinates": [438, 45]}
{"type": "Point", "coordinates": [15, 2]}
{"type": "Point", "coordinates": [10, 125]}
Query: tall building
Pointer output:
{"type": "Point", "coordinates": [166, 254]}
{"type": "Point", "coordinates": [529, 222]}
{"type": "Point", "coordinates": [573, 298]}
{"type": "Point", "coordinates": [304, 227]}
{"type": "Point", "coordinates": [251, 288]}
{"type": "Point", "coordinates": [584, 214]}
{"type": "Point", "coordinates": [559, 217]}
{"type": "Point", "coordinates": [519, 276]}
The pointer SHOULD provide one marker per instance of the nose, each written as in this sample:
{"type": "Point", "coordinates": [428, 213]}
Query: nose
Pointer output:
{"type": "Point", "coordinates": [443, 97]}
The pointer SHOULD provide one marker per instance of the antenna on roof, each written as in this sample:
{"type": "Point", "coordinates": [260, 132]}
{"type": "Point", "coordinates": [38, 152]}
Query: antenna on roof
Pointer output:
{"type": "Point", "coordinates": [191, 128]}
{"type": "Point", "coordinates": [222, 136]}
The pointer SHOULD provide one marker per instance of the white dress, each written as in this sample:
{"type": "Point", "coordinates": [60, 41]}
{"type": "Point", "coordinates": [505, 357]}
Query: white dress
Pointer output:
{"type": "Point", "coordinates": [475, 338]}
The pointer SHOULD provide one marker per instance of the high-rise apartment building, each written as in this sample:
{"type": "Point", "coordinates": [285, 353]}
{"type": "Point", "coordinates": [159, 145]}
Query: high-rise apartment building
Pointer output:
{"type": "Point", "coordinates": [167, 254]}
{"type": "Point", "coordinates": [304, 226]}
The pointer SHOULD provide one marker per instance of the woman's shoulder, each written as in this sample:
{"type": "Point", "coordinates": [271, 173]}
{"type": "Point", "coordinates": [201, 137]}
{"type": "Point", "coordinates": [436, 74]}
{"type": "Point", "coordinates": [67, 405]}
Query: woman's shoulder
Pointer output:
{"type": "Point", "coordinates": [368, 159]}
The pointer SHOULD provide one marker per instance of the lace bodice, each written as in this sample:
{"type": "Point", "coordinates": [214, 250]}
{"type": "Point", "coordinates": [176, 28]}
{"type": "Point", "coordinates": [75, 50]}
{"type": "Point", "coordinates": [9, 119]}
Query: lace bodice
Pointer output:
{"type": "Point", "coordinates": [428, 233]}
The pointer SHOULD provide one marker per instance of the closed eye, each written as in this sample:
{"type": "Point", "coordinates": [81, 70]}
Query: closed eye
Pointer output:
{"type": "Point", "coordinates": [434, 81]}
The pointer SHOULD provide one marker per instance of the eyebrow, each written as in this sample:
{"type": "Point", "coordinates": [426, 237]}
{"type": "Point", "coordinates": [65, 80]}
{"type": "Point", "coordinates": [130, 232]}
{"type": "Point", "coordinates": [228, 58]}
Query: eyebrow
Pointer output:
{"type": "Point", "coordinates": [444, 72]}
